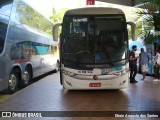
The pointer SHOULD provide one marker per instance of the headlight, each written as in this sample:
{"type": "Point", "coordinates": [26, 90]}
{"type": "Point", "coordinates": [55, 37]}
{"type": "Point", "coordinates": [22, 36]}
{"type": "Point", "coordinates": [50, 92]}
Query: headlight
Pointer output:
{"type": "Point", "coordinates": [120, 73]}
{"type": "Point", "coordinates": [65, 72]}
{"type": "Point", "coordinates": [117, 73]}
{"type": "Point", "coordinates": [127, 69]}
{"type": "Point", "coordinates": [69, 73]}
{"type": "Point", "coordinates": [123, 72]}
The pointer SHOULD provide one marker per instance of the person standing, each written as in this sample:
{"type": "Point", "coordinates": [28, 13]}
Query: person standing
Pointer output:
{"type": "Point", "coordinates": [133, 64]}
{"type": "Point", "coordinates": [156, 64]}
{"type": "Point", "coordinates": [143, 60]}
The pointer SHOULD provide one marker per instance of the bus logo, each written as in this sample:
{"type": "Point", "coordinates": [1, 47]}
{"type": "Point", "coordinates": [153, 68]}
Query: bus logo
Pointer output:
{"type": "Point", "coordinates": [95, 77]}
{"type": "Point", "coordinates": [105, 71]}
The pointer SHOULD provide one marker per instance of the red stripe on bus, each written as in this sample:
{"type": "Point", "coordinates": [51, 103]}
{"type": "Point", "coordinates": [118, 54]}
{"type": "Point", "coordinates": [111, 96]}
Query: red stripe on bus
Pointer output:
{"type": "Point", "coordinates": [21, 60]}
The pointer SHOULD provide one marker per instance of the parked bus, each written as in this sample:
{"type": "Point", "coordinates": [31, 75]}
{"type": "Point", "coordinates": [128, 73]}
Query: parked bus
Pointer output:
{"type": "Point", "coordinates": [27, 49]}
{"type": "Point", "coordinates": [94, 48]}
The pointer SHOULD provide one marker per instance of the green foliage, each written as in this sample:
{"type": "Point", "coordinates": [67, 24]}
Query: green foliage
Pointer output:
{"type": "Point", "coordinates": [129, 34]}
{"type": "Point", "coordinates": [149, 39]}
{"type": "Point", "coordinates": [151, 9]}
{"type": "Point", "coordinates": [57, 17]}
{"type": "Point", "coordinates": [32, 18]}
{"type": "Point", "coordinates": [139, 27]}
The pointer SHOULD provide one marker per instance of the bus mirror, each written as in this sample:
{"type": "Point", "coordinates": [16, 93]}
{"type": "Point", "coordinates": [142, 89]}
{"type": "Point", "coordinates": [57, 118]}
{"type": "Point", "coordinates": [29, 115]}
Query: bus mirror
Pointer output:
{"type": "Point", "coordinates": [55, 31]}
{"type": "Point", "coordinates": [133, 30]}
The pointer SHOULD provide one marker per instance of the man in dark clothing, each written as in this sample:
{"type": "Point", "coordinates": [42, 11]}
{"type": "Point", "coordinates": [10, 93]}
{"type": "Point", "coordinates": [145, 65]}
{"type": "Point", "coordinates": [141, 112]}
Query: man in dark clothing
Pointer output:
{"type": "Point", "coordinates": [133, 64]}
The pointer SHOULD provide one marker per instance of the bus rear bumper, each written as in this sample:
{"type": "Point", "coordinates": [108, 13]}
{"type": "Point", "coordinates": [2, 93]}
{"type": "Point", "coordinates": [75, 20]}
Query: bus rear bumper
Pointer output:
{"type": "Point", "coordinates": [79, 84]}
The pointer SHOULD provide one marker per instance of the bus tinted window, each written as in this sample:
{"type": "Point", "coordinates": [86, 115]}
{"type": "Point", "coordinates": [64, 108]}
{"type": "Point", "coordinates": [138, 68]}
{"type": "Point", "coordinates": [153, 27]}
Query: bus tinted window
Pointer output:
{"type": "Point", "coordinates": [3, 30]}
{"type": "Point", "coordinates": [27, 15]}
{"type": "Point", "coordinates": [5, 7]}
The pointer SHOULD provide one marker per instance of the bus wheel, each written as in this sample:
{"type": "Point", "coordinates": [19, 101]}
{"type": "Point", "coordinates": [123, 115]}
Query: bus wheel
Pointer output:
{"type": "Point", "coordinates": [26, 77]}
{"type": "Point", "coordinates": [13, 81]}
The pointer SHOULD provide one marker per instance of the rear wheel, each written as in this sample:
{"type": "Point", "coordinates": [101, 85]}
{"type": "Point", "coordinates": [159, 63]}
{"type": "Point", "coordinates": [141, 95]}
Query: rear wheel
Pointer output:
{"type": "Point", "coordinates": [13, 81]}
{"type": "Point", "coordinates": [26, 78]}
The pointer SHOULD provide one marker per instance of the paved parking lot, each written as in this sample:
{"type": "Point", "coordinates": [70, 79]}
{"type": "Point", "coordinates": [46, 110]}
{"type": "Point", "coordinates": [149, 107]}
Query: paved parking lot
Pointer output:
{"type": "Point", "coordinates": [48, 95]}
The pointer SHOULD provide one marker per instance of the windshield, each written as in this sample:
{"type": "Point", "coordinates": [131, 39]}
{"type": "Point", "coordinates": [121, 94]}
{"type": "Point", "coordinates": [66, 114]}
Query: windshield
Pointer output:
{"type": "Point", "coordinates": [100, 39]}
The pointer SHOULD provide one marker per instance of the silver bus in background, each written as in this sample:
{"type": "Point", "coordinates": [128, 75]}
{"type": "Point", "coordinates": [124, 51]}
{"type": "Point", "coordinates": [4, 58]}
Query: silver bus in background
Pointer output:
{"type": "Point", "coordinates": [27, 48]}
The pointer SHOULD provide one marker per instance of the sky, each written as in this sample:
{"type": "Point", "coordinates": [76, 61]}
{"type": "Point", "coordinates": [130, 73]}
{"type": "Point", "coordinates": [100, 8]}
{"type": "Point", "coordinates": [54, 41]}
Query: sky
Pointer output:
{"type": "Point", "coordinates": [46, 6]}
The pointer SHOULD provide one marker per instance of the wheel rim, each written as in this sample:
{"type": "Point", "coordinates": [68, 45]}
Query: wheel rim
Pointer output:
{"type": "Point", "coordinates": [12, 82]}
{"type": "Point", "coordinates": [26, 77]}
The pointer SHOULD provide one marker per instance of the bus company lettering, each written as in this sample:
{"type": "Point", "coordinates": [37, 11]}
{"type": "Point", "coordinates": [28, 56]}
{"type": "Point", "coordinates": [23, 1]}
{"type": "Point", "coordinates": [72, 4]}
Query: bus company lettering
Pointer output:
{"type": "Point", "coordinates": [80, 20]}
{"type": "Point", "coordinates": [27, 114]}
{"type": "Point", "coordinates": [94, 66]}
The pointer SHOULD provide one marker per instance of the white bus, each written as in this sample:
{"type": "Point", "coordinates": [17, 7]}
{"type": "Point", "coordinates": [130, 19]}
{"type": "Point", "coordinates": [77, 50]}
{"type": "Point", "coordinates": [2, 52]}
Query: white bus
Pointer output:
{"type": "Point", "coordinates": [27, 49]}
{"type": "Point", "coordinates": [93, 49]}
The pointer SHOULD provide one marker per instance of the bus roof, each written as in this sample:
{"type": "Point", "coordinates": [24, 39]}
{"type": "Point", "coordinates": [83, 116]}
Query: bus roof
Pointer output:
{"type": "Point", "coordinates": [94, 10]}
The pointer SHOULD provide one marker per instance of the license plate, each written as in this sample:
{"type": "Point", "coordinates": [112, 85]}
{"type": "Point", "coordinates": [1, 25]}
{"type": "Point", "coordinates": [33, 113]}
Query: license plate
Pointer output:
{"type": "Point", "coordinates": [94, 84]}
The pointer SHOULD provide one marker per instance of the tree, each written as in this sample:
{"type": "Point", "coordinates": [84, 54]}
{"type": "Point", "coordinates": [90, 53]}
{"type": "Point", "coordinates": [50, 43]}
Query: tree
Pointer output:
{"type": "Point", "coordinates": [28, 16]}
{"type": "Point", "coordinates": [57, 17]}
{"type": "Point", "coordinates": [151, 9]}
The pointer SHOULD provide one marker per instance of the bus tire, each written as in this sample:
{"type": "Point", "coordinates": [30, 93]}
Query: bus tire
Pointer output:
{"type": "Point", "coordinates": [13, 81]}
{"type": "Point", "coordinates": [26, 78]}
